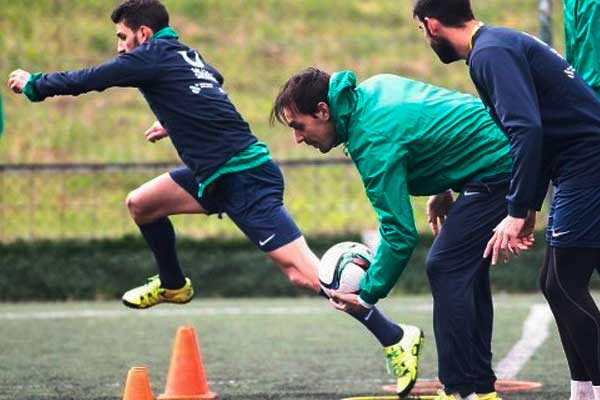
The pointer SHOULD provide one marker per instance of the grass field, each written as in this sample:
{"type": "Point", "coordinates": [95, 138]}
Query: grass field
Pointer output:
{"type": "Point", "coordinates": [252, 349]}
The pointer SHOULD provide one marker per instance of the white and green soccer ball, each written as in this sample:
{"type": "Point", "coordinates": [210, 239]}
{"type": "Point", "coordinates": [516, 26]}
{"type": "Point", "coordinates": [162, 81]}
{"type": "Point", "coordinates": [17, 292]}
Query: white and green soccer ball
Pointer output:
{"type": "Point", "coordinates": [343, 266]}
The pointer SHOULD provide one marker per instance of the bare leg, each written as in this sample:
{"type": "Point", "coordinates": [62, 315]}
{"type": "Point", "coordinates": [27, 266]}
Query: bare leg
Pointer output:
{"type": "Point", "coordinates": [159, 198]}
{"type": "Point", "coordinates": [297, 261]}
{"type": "Point", "coordinates": [300, 265]}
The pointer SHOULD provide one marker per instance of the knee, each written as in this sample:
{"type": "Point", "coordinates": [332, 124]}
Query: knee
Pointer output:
{"type": "Point", "coordinates": [137, 206]}
{"type": "Point", "coordinates": [551, 291]}
{"type": "Point", "coordinates": [543, 285]}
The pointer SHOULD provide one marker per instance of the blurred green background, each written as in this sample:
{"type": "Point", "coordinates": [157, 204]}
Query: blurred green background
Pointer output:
{"type": "Point", "coordinates": [257, 45]}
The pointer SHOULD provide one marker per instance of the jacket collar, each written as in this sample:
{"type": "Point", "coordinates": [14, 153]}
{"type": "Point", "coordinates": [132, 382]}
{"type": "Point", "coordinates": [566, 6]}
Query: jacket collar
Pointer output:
{"type": "Point", "coordinates": [165, 33]}
{"type": "Point", "coordinates": [342, 99]}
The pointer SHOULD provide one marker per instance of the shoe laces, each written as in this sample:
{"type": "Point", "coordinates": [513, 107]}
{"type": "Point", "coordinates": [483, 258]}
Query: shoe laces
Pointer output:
{"type": "Point", "coordinates": [395, 363]}
{"type": "Point", "coordinates": [152, 288]}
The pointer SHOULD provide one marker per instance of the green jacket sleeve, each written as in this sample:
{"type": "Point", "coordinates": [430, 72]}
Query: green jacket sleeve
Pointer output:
{"type": "Point", "coordinates": [591, 47]}
{"type": "Point", "coordinates": [388, 192]}
{"type": "Point", "coordinates": [582, 41]}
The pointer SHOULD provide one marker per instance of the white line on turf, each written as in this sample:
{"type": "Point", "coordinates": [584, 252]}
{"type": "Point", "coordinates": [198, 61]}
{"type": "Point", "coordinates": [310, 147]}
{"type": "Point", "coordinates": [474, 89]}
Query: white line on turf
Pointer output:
{"type": "Point", "coordinates": [535, 332]}
{"type": "Point", "coordinates": [174, 311]}
{"type": "Point", "coordinates": [186, 311]}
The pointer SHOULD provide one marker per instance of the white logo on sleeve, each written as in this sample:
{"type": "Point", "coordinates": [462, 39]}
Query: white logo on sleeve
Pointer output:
{"type": "Point", "coordinates": [570, 72]}
{"type": "Point", "coordinates": [467, 193]}
{"type": "Point", "coordinates": [261, 243]}
{"type": "Point", "coordinates": [558, 234]}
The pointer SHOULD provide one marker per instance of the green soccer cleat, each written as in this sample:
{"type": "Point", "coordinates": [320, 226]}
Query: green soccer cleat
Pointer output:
{"type": "Point", "coordinates": [151, 294]}
{"type": "Point", "coordinates": [488, 396]}
{"type": "Point", "coordinates": [403, 359]}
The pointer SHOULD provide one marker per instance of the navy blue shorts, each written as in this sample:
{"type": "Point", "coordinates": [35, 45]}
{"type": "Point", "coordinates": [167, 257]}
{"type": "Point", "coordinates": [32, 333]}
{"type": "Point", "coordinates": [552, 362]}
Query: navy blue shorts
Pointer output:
{"type": "Point", "coordinates": [253, 199]}
{"type": "Point", "coordinates": [574, 217]}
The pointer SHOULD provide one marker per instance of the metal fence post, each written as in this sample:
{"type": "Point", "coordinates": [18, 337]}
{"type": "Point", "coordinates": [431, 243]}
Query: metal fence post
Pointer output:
{"type": "Point", "coordinates": [545, 9]}
{"type": "Point", "coordinates": [546, 21]}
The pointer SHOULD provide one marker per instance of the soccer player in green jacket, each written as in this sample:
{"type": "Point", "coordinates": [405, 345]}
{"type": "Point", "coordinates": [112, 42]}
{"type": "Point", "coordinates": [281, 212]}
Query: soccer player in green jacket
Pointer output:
{"type": "Point", "coordinates": [582, 39]}
{"type": "Point", "coordinates": [410, 138]}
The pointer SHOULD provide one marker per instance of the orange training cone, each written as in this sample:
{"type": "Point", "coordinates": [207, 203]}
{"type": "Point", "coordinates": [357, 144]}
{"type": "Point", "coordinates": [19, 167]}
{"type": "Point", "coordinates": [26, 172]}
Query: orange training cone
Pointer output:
{"type": "Point", "coordinates": [186, 380]}
{"type": "Point", "coordinates": [137, 386]}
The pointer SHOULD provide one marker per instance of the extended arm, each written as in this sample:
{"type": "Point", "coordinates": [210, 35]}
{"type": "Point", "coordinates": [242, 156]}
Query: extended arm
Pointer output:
{"type": "Point", "coordinates": [131, 69]}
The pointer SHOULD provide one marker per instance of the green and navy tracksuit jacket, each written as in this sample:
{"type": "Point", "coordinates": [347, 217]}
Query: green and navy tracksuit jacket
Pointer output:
{"type": "Point", "coordinates": [410, 138]}
{"type": "Point", "coordinates": [184, 92]}
{"type": "Point", "coordinates": [582, 39]}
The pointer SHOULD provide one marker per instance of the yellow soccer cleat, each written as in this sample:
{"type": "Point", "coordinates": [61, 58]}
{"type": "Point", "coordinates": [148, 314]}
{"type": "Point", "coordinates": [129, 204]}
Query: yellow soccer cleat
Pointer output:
{"type": "Point", "coordinates": [488, 396]}
{"type": "Point", "coordinates": [403, 358]}
{"type": "Point", "coordinates": [441, 395]}
{"type": "Point", "coordinates": [151, 294]}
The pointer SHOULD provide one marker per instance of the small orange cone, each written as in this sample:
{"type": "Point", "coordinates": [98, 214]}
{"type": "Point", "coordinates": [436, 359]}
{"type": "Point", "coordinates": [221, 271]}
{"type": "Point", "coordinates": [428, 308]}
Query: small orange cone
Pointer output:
{"type": "Point", "coordinates": [186, 380]}
{"type": "Point", "coordinates": [137, 386]}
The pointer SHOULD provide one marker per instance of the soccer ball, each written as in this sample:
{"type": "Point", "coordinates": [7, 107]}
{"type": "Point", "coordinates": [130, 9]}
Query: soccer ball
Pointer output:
{"type": "Point", "coordinates": [343, 266]}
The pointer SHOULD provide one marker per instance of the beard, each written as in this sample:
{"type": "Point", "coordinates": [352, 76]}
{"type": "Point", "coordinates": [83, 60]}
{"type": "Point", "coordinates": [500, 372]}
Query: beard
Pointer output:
{"type": "Point", "coordinates": [444, 50]}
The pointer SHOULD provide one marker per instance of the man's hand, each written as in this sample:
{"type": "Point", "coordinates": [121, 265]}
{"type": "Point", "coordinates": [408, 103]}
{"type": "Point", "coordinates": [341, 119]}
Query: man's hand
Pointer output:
{"type": "Point", "coordinates": [438, 207]}
{"type": "Point", "coordinates": [526, 236]}
{"type": "Point", "coordinates": [156, 132]}
{"type": "Point", "coordinates": [17, 80]}
{"type": "Point", "coordinates": [529, 226]}
{"type": "Point", "coordinates": [347, 302]}
{"type": "Point", "coordinates": [510, 236]}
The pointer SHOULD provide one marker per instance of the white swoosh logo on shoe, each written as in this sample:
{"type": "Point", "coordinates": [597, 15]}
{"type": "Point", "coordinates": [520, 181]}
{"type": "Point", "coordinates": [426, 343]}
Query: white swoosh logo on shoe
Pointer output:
{"type": "Point", "coordinates": [261, 243]}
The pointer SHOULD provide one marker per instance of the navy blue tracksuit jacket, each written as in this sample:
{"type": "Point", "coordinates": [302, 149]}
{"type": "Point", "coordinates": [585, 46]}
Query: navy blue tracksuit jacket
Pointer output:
{"type": "Point", "coordinates": [551, 116]}
{"type": "Point", "coordinates": [183, 91]}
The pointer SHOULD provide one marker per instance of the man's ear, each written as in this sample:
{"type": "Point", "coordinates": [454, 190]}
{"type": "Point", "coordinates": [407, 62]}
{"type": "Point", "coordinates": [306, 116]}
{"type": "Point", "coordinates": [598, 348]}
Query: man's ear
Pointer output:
{"type": "Point", "coordinates": [434, 26]}
{"type": "Point", "coordinates": [323, 111]}
{"type": "Point", "coordinates": [144, 34]}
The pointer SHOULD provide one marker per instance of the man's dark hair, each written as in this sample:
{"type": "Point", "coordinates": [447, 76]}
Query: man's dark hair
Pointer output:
{"type": "Point", "coordinates": [135, 13]}
{"type": "Point", "coordinates": [301, 93]}
{"type": "Point", "coordinates": [452, 13]}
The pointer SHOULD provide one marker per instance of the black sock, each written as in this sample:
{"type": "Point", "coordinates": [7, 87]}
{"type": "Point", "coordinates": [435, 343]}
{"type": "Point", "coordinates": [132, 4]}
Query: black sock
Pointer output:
{"type": "Point", "coordinates": [385, 330]}
{"type": "Point", "coordinates": [160, 237]}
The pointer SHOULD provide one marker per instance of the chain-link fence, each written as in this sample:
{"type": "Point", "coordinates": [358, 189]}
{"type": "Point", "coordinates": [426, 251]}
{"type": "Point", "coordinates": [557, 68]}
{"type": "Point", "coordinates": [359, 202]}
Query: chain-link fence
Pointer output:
{"type": "Point", "coordinates": [88, 200]}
